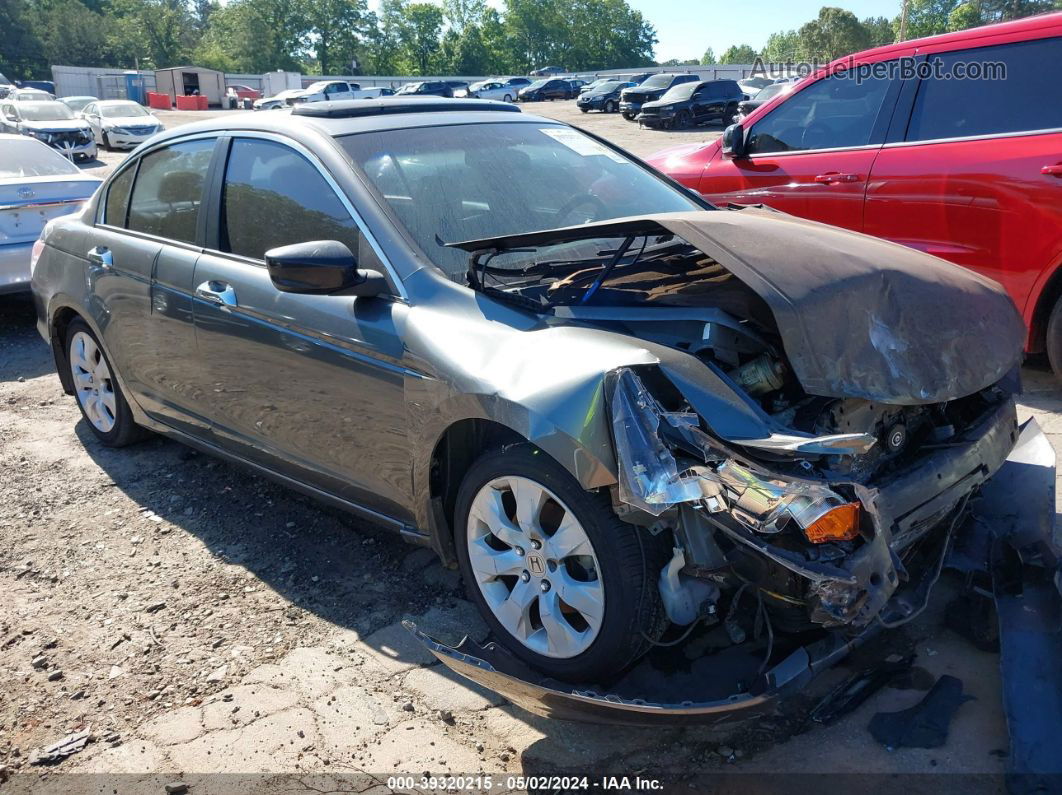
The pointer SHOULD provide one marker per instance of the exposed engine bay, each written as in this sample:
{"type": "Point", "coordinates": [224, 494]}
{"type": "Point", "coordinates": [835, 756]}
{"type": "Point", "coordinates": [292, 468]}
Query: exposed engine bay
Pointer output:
{"type": "Point", "coordinates": [820, 423]}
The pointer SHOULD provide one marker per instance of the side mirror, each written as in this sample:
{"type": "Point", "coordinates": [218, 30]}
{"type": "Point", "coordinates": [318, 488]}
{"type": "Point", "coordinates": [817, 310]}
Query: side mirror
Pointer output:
{"type": "Point", "coordinates": [734, 141]}
{"type": "Point", "coordinates": [321, 267]}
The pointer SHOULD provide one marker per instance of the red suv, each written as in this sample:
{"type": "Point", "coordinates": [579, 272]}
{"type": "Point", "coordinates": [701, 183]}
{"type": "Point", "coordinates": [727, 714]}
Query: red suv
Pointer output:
{"type": "Point", "coordinates": [893, 143]}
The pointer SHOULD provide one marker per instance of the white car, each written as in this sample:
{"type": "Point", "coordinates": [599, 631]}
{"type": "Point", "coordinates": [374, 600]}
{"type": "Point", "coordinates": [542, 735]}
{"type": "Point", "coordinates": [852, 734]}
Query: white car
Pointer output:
{"type": "Point", "coordinates": [30, 95]}
{"type": "Point", "coordinates": [278, 101]}
{"type": "Point", "coordinates": [50, 122]}
{"type": "Point", "coordinates": [117, 123]}
{"type": "Point", "coordinates": [489, 89]}
{"type": "Point", "coordinates": [325, 91]}
{"type": "Point", "coordinates": [37, 184]}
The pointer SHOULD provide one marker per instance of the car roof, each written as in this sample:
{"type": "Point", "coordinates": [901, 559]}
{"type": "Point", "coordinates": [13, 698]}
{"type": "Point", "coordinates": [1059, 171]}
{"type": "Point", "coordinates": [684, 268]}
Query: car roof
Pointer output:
{"type": "Point", "coordinates": [292, 125]}
{"type": "Point", "coordinates": [1017, 26]}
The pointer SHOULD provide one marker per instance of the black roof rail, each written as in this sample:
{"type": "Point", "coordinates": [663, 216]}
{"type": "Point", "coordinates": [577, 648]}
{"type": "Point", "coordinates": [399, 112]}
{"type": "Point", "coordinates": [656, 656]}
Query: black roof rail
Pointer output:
{"type": "Point", "coordinates": [355, 108]}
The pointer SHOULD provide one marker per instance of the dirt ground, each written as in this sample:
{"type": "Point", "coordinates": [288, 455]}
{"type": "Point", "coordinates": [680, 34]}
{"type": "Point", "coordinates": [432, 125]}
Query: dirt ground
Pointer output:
{"type": "Point", "coordinates": [200, 622]}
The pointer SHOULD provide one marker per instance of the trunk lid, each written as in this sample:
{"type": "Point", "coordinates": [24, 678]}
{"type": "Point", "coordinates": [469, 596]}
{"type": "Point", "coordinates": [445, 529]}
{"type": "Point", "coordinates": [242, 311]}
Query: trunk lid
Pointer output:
{"type": "Point", "coordinates": [31, 202]}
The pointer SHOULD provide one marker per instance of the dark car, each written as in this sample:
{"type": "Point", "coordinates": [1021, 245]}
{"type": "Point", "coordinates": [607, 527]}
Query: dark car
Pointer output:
{"type": "Point", "coordinates": [654, 87]}
{"type": "Point", "coordinates": [547, 71]}
{"type": "Point", "coordinates": [690, 104]}
{"type": "Point", "coordinates": [648, 413]}
{"type": "Point", "coordinates": [456, 85]}
{"type": "Point", "coordinates": [552, 88]}
{"type": "Point", "coordinates": [604, 96]}
{"type": "Point", "coordinates": [764, 95]}
{"type": "Point", "coordinates": [595, 83]}
{"type": "Point", "coordinates": [516, 81]}
{"type": "Point", "coordinates": [430, 88]}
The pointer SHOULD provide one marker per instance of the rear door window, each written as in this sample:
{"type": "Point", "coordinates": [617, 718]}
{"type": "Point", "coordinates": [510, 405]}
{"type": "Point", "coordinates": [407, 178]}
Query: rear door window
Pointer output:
{"type": "Point", "coordinates": [118, 198]}
{"type": "Point", "coordinates": [273, 196]}
{"type": "Point", "coordinates": [169, 190]}
{"type": "Point", "coordinates": [1008, 88]}
{"type": "Point", "coordinates": [834, 112]}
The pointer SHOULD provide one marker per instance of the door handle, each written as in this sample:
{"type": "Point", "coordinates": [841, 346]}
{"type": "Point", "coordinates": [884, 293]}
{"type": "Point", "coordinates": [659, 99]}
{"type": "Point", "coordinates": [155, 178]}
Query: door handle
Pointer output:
{"type": "Point", "coordinates": [219, 293]}
{"type": "Point", "coordinates": [1052, 171]}
{"type": "Point", "coordinates": [102, 256]}
{"type": "Point", "coordinates": [832, 176]}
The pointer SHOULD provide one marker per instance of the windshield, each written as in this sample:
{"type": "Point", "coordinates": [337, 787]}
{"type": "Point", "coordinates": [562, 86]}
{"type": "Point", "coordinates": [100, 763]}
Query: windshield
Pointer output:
{"type": "Point", "coordinates": [538, 84]}
{"type": "Point", "coordinates": [313, 88]}
{"type": "Point", "coordinates": [45, 111]}
{"type": "Point", "coordinates": [606, 88]}
{"type": "Point", "coordinates": [77, 103]}
{"type": "Point", "coordinates": [409, 88]}
{"type": "Point", "coordinates": [682, 91]}
{"type": "Point", "coordinates": [29, 158]}
{"type": "Point", "coordinates": [473, 181]}
{"type": "Point", "coordinates": [768, 92]}
{"type": "Point", "coordinates": [122, 110]}
{"type": "Point", "coordinates": [658, 81]}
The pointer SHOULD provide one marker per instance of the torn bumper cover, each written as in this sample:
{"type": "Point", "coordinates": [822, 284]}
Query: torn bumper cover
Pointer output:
{"type": "Point", "coordinates": [727, 686]}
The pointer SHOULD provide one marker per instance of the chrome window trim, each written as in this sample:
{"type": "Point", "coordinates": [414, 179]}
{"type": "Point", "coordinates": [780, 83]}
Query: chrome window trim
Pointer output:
{"type": "Point", "coordinates": [793, 152]}
{"type": "Point", "coordinates": [985, 137]}
{"type": "Point", "coordinates": [363, 228]}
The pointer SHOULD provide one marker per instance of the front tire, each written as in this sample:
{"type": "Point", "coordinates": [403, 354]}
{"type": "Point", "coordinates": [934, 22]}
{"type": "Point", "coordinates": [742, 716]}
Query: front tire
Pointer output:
{"type": "Point", "coordinates": [507, 98]}
{"type": "Point", "coordinates": [99, 396]}
{"type": "Point", "coordinates": [107, 142]}
{"type": "Point", "coordinates": [562, 582]}
{"type": "Point", "coordinates": [1053, 343]}
{"type": "Point", "coordinates": [610, 107]}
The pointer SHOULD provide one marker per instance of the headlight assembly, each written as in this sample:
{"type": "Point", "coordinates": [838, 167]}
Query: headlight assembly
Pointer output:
{"type": "Point", "coordinates": [653, 480]}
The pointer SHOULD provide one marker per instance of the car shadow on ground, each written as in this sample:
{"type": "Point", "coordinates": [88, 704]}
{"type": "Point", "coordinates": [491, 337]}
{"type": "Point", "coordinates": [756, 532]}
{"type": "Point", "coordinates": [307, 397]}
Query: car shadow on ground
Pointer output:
{"type": "Point", "coordinates": [23, 354]}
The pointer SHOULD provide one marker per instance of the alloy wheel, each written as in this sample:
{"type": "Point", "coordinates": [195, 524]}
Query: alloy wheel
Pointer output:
{"type": "Point", "coordinates": [92, 382]}
{"type": "Point", "coordinates": [535, 567]}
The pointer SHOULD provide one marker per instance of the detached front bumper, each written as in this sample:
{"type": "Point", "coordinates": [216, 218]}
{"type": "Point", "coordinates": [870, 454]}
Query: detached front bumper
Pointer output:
{"type": "Point", "coordinates": [1009, 538]}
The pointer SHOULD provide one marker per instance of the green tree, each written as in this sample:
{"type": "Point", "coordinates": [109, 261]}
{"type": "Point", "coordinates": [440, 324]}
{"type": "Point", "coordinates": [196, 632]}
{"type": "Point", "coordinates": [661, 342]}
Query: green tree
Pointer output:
{"type": "Point", "coordinates": [708, 59]}
{"type": "Point", "coordinates": [151, 33]}
{"type": "Point", "coordinates": [738, 53]}
{"type": "Point", "coordinates": [256, 36]}
{"type": "Point", "coordinates": [926, 17]}
{"type": "Point", "coordinates": [69, 33]}
{"type": "Point", "coordinates": [419, 35]}
{"type": "Point", "coordinates": [783, 47]}
{"type": "Point", "coordinates": [460, 14]}
{"type": "Point", "coordinates": [967, 15]}
{"type": "Point", "coordinates": [835, 32]}
{"type": "Point", "coordinates": [879, 31]}
{"type": "Point", "coordinates": [336, 28]}
{"type": "Point", "coordinates": [21, 52]}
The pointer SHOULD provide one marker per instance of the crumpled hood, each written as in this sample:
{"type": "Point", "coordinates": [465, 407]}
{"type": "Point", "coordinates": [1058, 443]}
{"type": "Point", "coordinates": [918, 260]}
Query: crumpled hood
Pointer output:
{"type": "Point", "coordinates": [858, 316]}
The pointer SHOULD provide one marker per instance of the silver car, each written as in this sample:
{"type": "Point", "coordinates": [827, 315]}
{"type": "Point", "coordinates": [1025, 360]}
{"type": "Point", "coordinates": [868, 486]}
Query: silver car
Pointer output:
{"type": "Point", "coordinates": [36, 185]}
{"type": "Point", "coordinates": [625, 415]}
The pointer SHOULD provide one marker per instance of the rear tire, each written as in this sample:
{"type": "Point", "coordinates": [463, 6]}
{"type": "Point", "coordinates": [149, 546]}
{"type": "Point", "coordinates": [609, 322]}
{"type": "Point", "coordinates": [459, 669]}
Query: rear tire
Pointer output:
{"type": "Point", "coordinates": [606, 568]}
{"type": "Point", "coordinates": [507, 98]}
{"type": "Point", "coordinates": [610, 107]}
{"type": "Point", "coordinates": [1053, 343]}
{"type": "Point", "coordinates": [98, 393]}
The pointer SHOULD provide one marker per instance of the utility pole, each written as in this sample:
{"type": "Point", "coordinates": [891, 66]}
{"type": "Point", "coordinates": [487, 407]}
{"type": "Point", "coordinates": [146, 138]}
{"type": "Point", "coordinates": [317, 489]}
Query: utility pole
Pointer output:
{"type": "Point", "coordinates": [903, 21]}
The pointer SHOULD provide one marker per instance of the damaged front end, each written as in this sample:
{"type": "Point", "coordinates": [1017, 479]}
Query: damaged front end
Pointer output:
{"type": "Point", "coordinates": [818, 438]}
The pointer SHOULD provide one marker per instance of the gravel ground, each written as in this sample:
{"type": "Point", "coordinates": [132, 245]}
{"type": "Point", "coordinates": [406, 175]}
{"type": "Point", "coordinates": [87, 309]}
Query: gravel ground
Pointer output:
{"type": "Point", "coordinates": [195, 619]}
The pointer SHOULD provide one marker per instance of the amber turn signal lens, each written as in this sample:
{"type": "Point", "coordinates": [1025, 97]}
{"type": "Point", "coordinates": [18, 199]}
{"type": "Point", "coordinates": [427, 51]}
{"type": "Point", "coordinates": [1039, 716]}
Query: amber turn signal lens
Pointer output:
{"type": "Point", "coordinates": [839, 524]}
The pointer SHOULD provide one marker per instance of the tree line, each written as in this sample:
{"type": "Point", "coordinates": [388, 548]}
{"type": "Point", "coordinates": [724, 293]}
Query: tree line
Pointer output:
{"type": "Point", "coordinates": [323, 36]}
{"type": "Point", "coordinates": [421, 38]}
{"type": "Point", "coordinates": [836, 32]}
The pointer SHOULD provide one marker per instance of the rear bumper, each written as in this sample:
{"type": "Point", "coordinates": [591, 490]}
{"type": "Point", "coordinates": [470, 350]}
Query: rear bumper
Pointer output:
{"type": "Point", "coordinates": [15, 267]}
{"type": "Point", "coordinates": [1013, 520]}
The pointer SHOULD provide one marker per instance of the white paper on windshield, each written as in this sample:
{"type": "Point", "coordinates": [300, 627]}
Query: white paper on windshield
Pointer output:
{"type": "Point", "coordinates": [579, 143]}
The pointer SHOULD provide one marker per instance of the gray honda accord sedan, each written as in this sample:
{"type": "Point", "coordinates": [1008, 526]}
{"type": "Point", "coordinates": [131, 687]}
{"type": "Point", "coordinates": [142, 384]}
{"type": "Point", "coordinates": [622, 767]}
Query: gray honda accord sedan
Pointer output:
{"type": "Point", "coordinates": [624, 414]}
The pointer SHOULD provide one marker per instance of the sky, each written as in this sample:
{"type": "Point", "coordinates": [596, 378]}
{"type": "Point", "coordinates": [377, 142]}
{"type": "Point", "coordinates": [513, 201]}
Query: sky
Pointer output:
{"type": "Point", "coordinates": [686, 28]}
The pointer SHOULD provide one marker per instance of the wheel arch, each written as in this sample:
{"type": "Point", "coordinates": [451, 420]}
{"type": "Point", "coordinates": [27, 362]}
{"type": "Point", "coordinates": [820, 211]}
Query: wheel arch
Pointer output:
{"type": "Point", "coordinates": [58, 323]}
{"type": "Point", "coordinates": [1048, 294]}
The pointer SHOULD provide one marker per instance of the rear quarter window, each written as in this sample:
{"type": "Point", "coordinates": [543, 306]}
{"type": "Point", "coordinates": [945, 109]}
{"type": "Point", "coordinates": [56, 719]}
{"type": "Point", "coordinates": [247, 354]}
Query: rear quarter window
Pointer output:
{"type": "Point", "coordinates": [114, 210]}
{"type": "Point", "coordinates": [1018, 91]}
